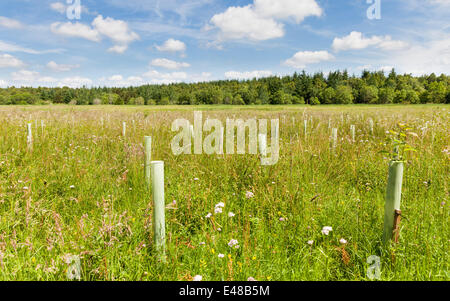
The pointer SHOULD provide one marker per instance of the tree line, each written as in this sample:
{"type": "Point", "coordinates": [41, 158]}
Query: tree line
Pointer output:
{"type": "Point", "coordinates": [300, 88]}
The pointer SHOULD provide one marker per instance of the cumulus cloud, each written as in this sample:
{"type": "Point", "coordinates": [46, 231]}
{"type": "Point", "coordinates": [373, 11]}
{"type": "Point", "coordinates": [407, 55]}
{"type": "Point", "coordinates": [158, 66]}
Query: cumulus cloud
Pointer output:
{"type": "Point", "coordinates": [34, 78]}
{"type": "Point", "coordinates": [9, 61]}
{"type": "Point", "coordinates": [243, 22]}
{"type": "Point", "coordinates": [247, 74]}
{"type": "Point", "coordinates": [172, 45]}
{"type": "Point", "coordinates": [260, 20]}
{"type": "Point", "coordinates": [303, 58]}
{"type": "Point", "coordinates": [356, 41]}
{"type": "Point", "coordinates": [61, 67]}
{"type": "Point", "coordinates": [76, 30]}
{"type": "Point", "coordinates": [10, 23]}
{"type": "Point", "coordinates": [155, 77]}
{"type": "Point", "coordinates": [117, 31]}
{"type": "Point", "coordinates": [168, 64]}
{"type": "Point", "coordinates": [119, 81]}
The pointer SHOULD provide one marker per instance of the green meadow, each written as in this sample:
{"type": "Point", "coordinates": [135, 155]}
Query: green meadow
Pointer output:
{"type": "Point", "coordinates": [78, 191]}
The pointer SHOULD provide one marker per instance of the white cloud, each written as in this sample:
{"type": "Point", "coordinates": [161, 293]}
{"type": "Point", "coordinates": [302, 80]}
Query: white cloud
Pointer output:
{"type": "Point", "coordinates": [3, 83]}
{"type": "Point", "coordinates": [168, 64]}
{"type": "Point", "coordinates": [118, 49]}
{"type": "Point", "coordinates": [156, 77]}
{"type": "Point", "coordinates": [76, 30]}
{"type": "Point", "coordinates": [34, 78]}
{"type": "Point", "coordinates": [119, 81]}
{"type": "Point", "coordinates": [243, 22]}
{"type": "Point", "coordinates": [8, 61]}
{"type": "Point", "coordinates": [172, 45]}
{"type": "Point", "coordinates": [117, 31]}
{"type": "Point", "coordinates": [440, 2]}
{"type": "Point", "coordinates": [8, 47]}
{"type": "Point", "coordinates": [25, 75]}
{"type": "Point", "coordinates": [356, 41]}
{"type": "Point", "coordinates": [75, 82]}
{"type": "Point", "coordinates": [61, 67]}
{"type": "Point", "coordinates": [258, 21]}
{"type": "Point", "coordinates": [58, 7]}
{"type": "Point", "coordinates": [247, 74]}
{"type": "Point", "coordinates": [10, 23]}
{"type": "Point", "coordinates": [303, 58]}
{"type": "Point", "coordinates": [424, 58]}
{"type": "Point", "coordinates": [284, 9]}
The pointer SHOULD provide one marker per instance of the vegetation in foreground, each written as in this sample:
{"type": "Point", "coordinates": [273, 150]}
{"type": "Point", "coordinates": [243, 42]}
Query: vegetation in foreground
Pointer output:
{"type": "Point", "coordinates": [81, 191]}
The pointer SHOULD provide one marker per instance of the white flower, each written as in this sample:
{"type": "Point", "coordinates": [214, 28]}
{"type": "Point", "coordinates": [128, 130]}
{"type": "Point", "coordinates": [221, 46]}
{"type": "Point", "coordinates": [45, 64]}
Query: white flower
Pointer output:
{"type": "Point", "coordinates": [197, 278]}
{"type": "Point", "coordinates": [231, 214]}
{"type": "Point", "coordinates": [219, 229]}
{"type": "Point", "coordinates": [72, 186]}
{"type": "Point", "coordinates": [249, 194]}
{"type": "Point", "coordinates": [220, 205]}
{"type": "Point", "coordinates": [233, 243]}
{"type": "Point", "coordinates": [25, 188]}
{"type": "Point", "coordinates": [202, 243]}
{"type": "Point", "coordinates": [208, 215]}
{"type": "Point", "coordinates": [251, 279]}
{"type": "Point", "coordinates": [218, 210]}
{"type": "Point", "coordinates": [196, 179]}
{"type": "Point", "coordinates": [342, 241]}
{"type": "Point", "coordinates": [282, 219]}
{"type": "Point", "coordinates": [326, 230]}
{"type": "Point", "coordinates": [221, 255]}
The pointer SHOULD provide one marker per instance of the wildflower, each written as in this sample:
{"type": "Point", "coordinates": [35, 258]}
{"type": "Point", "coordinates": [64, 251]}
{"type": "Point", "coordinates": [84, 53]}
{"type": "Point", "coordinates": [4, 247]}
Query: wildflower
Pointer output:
{"type": "Point", "coordinates": [72, 186]}
{"type": "Point", "coordinates": [196, 179]}
{"type": "Point", "coordinates": [326, 230]}
{"type": "Point", "coordinates": [217, 210]}
{"type": "Point", "coordinates": [221, 255]}
{"type": "Point", "coordinates": [343, 241]}
{"type": "Point", "coordinates": [25, 188]}
{"type": "Point", "coordinates": [233, 243]}
{"type": "Point", "coordinates": [220, 205]}
{"type": "Point", "coordinates": [254, 258]}
{"type": "Point", "coordinates": [174, 202]}
{"type": "Point", "coordinates": [310, 242]}
{"type": "Point", "coordinates": [197, 278]}
{"type": "Point", "coordinates": [219, 229]}
{"type": "Point", "coordinates": [249, 194]}
{"type": "Point", "coordinates": [231, 214]}
{"type": "Point", "coordinates": [208, 215]}
{"type": "Point", "coordinates": [251, 279]}
{"type": "Point", "coordinates": [202, 243]}
{"type": "Point", "coordinates": [282, 219]}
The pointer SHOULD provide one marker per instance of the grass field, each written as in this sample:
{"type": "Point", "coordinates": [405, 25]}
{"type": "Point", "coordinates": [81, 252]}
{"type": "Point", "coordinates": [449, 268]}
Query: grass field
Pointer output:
{"type": "Point", "coordinates": [81, 191]}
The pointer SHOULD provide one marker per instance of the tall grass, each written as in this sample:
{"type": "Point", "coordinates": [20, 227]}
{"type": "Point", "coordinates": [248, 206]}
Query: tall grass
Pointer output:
{"type": "Point", "coordinates": [81, 191]}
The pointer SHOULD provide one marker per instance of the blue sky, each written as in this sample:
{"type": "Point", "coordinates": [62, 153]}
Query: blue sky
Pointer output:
{"type": "Point", "coordinates": [134, 42]}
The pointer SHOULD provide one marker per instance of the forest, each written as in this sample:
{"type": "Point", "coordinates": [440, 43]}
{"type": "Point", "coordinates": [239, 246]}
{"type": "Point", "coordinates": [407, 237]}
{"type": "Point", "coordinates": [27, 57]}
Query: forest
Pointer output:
{"type": "Point", "coordinates": [301, 88]}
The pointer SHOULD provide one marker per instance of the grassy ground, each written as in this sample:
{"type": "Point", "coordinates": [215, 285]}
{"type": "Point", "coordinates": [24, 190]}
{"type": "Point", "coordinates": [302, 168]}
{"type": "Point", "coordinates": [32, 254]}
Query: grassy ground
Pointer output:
{"type": "Point", "coordinates": [81, 191]}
